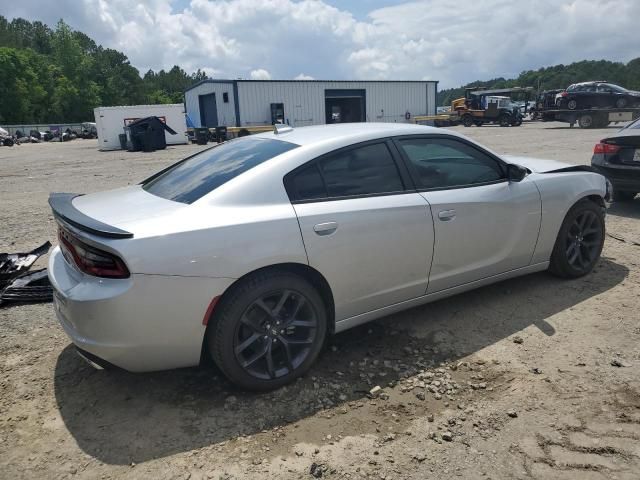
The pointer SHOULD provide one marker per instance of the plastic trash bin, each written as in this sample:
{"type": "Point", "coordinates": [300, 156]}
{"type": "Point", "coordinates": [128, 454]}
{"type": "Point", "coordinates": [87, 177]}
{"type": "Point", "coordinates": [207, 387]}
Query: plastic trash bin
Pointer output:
{"type": "Point", "coordinates": [201, 135]}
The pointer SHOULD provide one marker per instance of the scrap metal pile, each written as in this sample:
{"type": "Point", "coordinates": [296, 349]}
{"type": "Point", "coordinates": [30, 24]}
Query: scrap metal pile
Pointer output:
{"type": "Point", "coordinates": [18, 284]}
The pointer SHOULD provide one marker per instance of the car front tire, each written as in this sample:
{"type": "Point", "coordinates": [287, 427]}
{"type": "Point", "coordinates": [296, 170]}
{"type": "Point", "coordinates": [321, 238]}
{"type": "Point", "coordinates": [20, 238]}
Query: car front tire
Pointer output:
{"type": "Point", "coordinates": [268, 330]}
{"type": "Point", "coordinates": [580, 240]}
{"type": "Point", "coordinates": [621, 103]}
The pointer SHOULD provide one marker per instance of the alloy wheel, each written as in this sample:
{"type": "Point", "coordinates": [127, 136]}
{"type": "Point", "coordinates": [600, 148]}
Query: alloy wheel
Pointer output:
{"type": "Point", "coordinates": [583, 241]}
{"type": "Point", "coordinates": [275, 334]}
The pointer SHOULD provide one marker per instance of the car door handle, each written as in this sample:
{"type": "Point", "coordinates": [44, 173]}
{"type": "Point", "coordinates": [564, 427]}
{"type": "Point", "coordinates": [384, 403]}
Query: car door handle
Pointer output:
{"type": "Point", "coordinates": [447, 215]}
{"type": "Point", "coordinates": [326, 228]}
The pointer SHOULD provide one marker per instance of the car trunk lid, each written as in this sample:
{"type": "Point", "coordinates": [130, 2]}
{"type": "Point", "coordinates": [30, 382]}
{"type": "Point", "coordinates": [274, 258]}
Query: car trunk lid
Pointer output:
{"type": "Point", "coordinates": [111, 214]}
{"type": "Point", "coordinates": [629, 143]}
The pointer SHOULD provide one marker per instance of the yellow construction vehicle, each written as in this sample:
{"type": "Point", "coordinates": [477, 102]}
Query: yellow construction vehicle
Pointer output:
{"type": "Point", "coordinates": [480, 106]}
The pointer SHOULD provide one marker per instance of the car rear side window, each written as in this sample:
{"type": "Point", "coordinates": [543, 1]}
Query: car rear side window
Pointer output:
{"type": "Point", "coordinates": [361, 171]}
{"type": "Point", "coordinates": [447, 163]}
{"type": "Point", "coordinates": [193, 178]}
{"type": "Point", "coordinates": [307, 184]}
{"type": "Point", "coordinates": [364, 170]}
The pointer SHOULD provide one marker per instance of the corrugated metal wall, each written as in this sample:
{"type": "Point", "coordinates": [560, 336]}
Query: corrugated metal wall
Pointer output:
{"type": "Point", "coordinates": [226, 111]}
{"type": "Point", "coordinates": [304, 101]}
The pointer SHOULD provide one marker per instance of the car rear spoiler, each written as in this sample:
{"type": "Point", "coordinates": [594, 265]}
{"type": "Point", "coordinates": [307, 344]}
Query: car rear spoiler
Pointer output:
{"type": "Point", "coordinates": [63, 209]}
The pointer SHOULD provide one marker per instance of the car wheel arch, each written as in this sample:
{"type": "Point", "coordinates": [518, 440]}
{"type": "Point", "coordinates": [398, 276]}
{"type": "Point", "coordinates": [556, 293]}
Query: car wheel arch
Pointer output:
{"type": "Point", "coordinates": [597, 199]}
{"type": "Point", "coordinates": [313, 276]}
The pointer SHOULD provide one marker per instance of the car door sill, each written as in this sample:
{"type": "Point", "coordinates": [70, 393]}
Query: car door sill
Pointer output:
{"type": "Point", "coordinates": [431, 297]}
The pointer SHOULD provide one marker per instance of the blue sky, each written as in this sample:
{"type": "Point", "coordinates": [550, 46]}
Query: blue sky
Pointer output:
{"type": "Point", "coordinates": [453, 42]}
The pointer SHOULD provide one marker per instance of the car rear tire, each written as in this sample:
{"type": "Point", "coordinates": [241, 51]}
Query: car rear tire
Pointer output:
{"type": "Point", "coordinates": [467, 120]}
{"type": "Point", "coordinates": [579, 242]}
{"type": "Point", "coordinates": [505, 120]}
{"type": "Point", "coordinates": [268, 330]}
{"type": "Point", "coordinates": [621, 102]}
{"type": "Point", "coordinates": [585, 121]}
{"type": "Point", "coordinates": [572, 104]}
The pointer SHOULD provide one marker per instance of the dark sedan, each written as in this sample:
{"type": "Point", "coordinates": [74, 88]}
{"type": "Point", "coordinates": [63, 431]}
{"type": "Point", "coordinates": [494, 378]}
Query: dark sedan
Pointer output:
{"type": "Point", "coordinates": [618, 158]}
{"type": "Point", "coordinates": [597, 95]}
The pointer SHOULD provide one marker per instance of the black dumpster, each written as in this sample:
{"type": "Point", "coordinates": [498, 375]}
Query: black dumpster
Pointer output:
{"type": "Point", "coordinates": [221, 134]}
{"type": "Point", "coordinates": [201, 135]}
{"type": "Point", "coordinates": [147, 134]}
{"type": "Point", "coordinates": [123, 141]}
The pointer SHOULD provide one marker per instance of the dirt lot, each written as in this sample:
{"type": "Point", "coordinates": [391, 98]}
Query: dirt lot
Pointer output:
{"type": "Point", "coordinates": [514, 380]}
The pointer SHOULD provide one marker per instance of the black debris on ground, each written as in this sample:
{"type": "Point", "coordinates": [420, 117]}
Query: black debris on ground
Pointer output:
{"type": "Point", "coordinates": [18, 284]}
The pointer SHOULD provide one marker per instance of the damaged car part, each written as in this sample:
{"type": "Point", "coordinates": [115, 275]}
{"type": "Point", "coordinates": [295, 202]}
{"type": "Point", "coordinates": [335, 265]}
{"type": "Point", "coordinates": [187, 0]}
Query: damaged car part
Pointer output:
{"type": "Point", "coordinates": [12, 265]}
{"type": "Point", "coordinates": [30, 287]}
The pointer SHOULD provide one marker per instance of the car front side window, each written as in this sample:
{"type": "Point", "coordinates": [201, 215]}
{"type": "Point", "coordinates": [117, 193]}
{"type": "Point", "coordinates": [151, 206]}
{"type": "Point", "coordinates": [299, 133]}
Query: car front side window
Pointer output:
{"type": "Point", "coordinates": [447, 163]}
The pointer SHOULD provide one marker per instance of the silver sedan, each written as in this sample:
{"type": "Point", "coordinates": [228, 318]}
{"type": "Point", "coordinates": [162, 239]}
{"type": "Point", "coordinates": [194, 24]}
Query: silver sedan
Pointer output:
{"type": "Point", "coordinates": [256, 250]}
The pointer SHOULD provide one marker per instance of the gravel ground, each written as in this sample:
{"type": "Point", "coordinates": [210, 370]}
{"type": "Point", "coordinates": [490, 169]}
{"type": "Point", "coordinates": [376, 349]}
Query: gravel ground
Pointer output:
{"type": "Point", "coordinates": [535, 377]}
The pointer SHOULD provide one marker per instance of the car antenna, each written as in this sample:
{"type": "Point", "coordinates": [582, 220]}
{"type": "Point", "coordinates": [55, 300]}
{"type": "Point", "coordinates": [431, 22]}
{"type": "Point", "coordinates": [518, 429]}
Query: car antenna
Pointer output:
{"type": "Point", "coordinates": [280, 128]}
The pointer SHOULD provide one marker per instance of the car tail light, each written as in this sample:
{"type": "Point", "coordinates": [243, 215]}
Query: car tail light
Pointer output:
{"type": "Point", "coordinates": [605, 148]}
{"type": "Point", "coordinates": [564, 94]}
{"type": "Point", "coordinates": [91, 260]}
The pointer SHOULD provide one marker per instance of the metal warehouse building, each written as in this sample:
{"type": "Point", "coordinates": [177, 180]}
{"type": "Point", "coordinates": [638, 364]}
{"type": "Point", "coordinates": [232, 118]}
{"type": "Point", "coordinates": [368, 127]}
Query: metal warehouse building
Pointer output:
{"type": "Point", "coordinates": [244, 103]}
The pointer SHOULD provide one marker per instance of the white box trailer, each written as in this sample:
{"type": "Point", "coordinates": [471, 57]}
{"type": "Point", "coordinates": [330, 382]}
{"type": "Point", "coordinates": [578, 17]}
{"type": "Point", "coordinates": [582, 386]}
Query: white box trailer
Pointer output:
{"type": "Point", "coordinates": [110, 122]}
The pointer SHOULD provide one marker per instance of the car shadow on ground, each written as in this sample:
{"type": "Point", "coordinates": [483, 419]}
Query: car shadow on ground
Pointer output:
{"type": "Point", "coordinates": [630, 209]}
{"type": "Point", "coordinates": [119, 418]}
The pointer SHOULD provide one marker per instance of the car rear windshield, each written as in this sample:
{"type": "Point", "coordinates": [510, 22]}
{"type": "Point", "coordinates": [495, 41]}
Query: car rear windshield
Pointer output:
{"type": "Point", "coordinates": [194, 177]}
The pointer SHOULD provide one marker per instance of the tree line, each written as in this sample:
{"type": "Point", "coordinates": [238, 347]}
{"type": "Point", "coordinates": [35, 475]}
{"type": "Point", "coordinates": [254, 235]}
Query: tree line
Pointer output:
{"type": "Point", "coordinates": [558, 76]}
{"type": "Point", "coordinates": [60, 75]}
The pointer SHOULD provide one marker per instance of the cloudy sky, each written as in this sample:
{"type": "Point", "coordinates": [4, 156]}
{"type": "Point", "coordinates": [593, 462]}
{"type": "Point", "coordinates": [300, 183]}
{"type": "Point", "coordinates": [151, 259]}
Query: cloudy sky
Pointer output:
{"type": "Point", "coordinates": [451, 41]}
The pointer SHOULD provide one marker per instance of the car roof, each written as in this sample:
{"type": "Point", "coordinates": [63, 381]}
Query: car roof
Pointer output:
{"type": "Point", "coordinates": [591, 82]}
{"type": "Point", "coordinates": [347, 132]}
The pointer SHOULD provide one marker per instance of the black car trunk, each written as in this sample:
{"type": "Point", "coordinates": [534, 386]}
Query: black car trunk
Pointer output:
{"type": "Point", "coordinates": [629, 143]}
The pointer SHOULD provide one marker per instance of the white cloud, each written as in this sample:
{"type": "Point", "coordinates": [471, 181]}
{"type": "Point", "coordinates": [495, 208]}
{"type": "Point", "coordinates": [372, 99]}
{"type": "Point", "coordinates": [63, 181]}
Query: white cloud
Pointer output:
{"type": "Point", "coordinates": [260, 74]}
{"type": "Point", "coordinates": [420, 39]}
{"type": "Point", "coordinates": [302, 76]}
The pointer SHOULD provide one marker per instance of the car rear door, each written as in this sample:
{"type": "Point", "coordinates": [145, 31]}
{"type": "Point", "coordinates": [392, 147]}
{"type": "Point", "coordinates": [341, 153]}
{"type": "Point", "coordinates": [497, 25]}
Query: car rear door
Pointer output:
{"type": "Point", "coordinates": [484, 225]}
{"type": "Point", "coordinates": [365, 228]}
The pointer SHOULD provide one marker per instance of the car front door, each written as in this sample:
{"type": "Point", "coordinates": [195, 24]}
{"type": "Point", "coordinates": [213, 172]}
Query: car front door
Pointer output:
{"type": "Point", "coordinates": [484, 225]}
{"type": "Point", "coordinates": [364, 227]}
{"type": "Point", "coordinates": [595, 96]}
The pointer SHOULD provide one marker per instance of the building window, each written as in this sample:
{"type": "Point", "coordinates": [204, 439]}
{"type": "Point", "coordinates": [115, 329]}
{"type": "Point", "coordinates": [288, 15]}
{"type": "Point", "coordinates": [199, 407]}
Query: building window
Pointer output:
{"type": "Point", "coordinates": [225, 97]}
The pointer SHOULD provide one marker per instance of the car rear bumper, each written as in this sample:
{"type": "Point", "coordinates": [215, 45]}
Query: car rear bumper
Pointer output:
{"type": "Point", "coordinates": [622, 177]}
{"type": "Point", "coordinates": [142, 323]}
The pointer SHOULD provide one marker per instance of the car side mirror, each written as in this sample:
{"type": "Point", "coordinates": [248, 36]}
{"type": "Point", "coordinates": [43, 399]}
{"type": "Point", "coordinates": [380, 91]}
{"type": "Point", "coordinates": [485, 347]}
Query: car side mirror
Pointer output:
{"type": "Point", "coordinates": [516, 173]}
